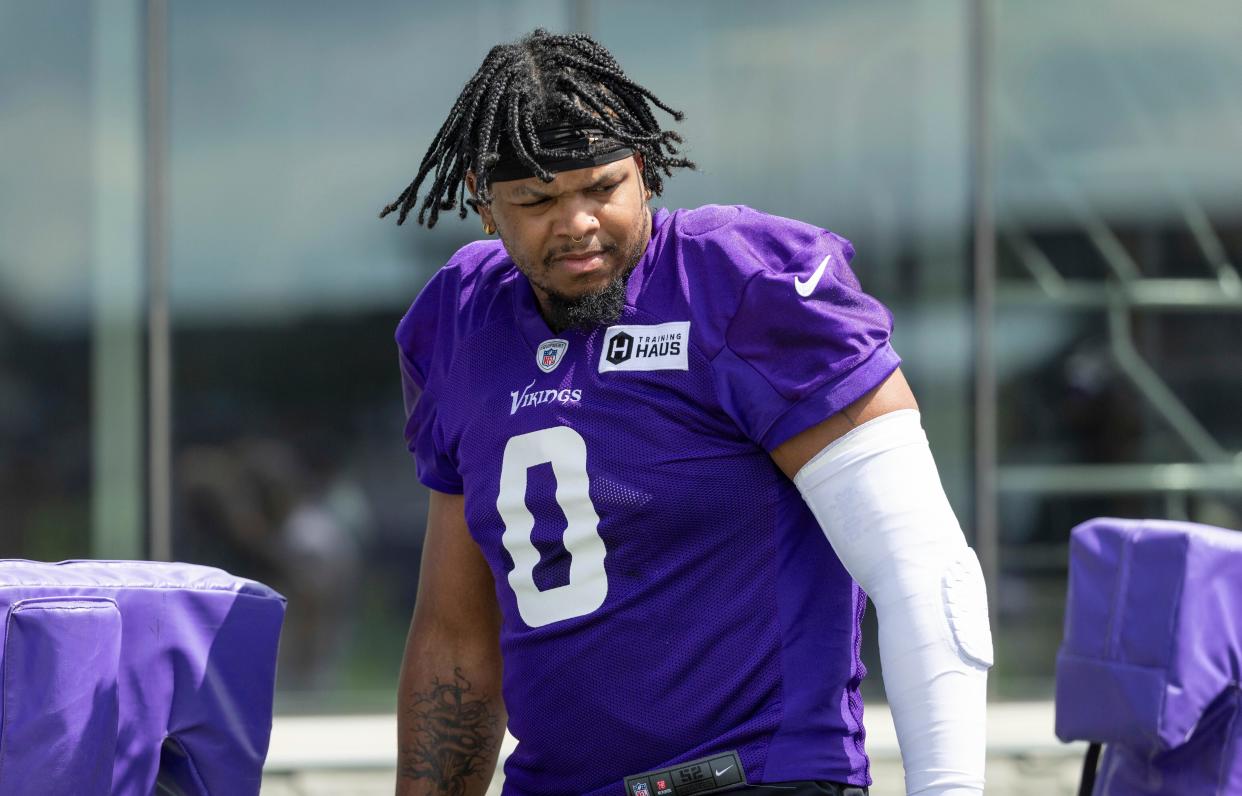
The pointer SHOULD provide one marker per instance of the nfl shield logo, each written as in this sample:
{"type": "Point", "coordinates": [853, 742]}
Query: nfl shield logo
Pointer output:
{"type": "Point", "coordinates": [640, 789]}
{"type": "Point", "coordinates": [550, 353]}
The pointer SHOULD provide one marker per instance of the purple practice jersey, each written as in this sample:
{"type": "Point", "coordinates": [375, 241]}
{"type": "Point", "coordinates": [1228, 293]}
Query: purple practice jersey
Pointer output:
{"type": "Point", "coordinates": [666, 593]}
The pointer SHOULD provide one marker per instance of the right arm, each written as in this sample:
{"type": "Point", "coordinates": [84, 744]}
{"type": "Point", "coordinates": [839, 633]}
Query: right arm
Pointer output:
{"type": "Point", "coordinates": [450, 713]}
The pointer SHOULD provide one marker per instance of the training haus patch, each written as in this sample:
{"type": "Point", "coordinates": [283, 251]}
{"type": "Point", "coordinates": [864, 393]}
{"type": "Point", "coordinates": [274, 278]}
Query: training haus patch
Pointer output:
{"type": "Point", "coordinates": [660, 347]}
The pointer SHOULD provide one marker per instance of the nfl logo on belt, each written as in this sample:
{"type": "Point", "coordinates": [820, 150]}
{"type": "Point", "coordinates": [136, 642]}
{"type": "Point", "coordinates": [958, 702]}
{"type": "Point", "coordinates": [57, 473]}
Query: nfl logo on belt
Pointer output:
{"type": "Point", "coordinates": [640, 789]}
{"type": "Point", "coordinates": [550, 354]}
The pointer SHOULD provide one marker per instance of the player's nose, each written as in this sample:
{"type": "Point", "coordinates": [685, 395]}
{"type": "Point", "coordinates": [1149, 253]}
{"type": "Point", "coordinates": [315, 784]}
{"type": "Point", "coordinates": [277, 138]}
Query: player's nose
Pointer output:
{"type": "Point", "coordinates": [577, 221]}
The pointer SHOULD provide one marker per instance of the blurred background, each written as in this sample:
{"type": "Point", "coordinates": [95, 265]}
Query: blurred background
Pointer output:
{"type": "Point", "coordinates": [197, 300]}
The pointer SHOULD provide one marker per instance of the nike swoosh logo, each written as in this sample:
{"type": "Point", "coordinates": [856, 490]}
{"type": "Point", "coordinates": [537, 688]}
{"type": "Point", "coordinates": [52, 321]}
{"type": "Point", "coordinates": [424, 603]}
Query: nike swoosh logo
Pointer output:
{"type": "Point", "coordinates": [726, 768]}
{"type": "Point", "coordinates": [804, 288]}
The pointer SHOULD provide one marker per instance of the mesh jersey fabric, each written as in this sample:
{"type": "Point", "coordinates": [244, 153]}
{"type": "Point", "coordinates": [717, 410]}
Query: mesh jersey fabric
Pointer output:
{"type": "Point", "coordinates": [665, 592]}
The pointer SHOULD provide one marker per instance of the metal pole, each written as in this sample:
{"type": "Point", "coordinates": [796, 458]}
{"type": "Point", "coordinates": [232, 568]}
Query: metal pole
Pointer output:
{"type": "Point", "coordinates": [117, 228]}
{"type": "Point", "coordinates": [986, 531]}
{"type": "Point", "coordinates": [159, 387]}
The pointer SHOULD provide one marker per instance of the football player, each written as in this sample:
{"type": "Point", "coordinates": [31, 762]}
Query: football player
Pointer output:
{"type": "Point", "coordinates": [671, 455]}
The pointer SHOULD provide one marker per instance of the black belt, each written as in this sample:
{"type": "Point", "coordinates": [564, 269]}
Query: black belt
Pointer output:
{"type": "Point", "coordinates": [723, 773]}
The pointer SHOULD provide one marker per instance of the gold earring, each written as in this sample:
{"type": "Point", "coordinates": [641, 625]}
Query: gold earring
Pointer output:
{"type": "Point", "coordinates": [488, 229]}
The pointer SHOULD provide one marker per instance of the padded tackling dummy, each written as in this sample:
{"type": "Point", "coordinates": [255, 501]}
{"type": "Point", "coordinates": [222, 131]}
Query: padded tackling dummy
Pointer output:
{"type": "Point", "coordinates": [1151, 657]}
{"type": "Point", "coordinates": [119, 674]}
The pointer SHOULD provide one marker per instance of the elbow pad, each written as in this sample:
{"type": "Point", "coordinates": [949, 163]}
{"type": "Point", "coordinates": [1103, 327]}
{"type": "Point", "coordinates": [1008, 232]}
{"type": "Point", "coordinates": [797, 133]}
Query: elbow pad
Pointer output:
{"type": "Point", "coordinates": [877, 495]}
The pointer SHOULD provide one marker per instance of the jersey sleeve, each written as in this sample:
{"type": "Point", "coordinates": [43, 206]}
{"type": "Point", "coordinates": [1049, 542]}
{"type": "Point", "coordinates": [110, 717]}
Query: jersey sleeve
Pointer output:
{"type": "Point", "coordinates": [424, 348]}
{"type": "Point", "coordinates": [804, 342]}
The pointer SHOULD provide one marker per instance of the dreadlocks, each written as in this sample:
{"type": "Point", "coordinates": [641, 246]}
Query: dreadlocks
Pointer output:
{"type": "Point", "coordinates": [540, 80]}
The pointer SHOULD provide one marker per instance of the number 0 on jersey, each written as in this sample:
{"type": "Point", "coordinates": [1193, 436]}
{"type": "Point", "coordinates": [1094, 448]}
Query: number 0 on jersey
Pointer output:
{"type": "Point", "coordinates": [565, 450]}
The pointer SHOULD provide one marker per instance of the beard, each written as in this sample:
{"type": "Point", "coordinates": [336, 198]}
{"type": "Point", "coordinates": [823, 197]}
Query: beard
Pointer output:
{"type": "Point", "coordinates": [585, 312]}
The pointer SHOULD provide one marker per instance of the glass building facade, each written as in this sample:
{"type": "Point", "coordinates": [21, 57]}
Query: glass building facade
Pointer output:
{"type": "Point", "coordinates": [197, 300]}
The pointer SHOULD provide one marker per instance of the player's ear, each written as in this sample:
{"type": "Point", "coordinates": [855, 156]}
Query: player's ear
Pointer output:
{"type": "Point", "coordinates": [485, 211]}
{"type": "Point", "coordinates": [638, 161]}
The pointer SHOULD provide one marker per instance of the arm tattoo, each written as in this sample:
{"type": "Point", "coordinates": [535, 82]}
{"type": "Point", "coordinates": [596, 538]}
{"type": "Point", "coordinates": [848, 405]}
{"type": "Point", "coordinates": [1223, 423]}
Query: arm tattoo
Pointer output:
{"type": "Point", "coordinates": [454, 735]}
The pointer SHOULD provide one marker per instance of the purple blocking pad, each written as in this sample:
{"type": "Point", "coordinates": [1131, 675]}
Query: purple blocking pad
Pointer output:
{"type": "Point", "coordinates": [109, 665]}
{"type": "Point", "coordinates": [1150, 664]}
{"type": "Point", "coordinates": [60, 701]}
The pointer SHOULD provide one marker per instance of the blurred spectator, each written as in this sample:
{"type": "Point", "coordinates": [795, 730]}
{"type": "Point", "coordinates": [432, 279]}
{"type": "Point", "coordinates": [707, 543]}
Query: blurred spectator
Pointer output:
{"type": "Point", "coordinates": [291, 523]}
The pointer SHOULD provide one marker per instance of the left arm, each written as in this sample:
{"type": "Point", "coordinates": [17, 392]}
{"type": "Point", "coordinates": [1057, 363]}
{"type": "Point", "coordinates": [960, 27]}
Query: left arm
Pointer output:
{"type": "Point", "coordinates": [868, 476]}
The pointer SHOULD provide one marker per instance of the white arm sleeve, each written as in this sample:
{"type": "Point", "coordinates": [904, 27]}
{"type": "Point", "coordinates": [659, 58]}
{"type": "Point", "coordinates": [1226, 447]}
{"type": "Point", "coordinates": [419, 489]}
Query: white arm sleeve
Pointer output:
{"type": "Point", "coordinates": [877, 495]}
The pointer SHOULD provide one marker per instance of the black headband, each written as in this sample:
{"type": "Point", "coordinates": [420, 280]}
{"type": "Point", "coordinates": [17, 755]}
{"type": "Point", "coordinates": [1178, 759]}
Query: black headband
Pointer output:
{"type": "Point", "coordinates": [570, 148]}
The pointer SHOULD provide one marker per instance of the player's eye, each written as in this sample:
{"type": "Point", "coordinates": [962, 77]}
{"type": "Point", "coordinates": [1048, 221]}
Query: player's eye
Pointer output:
{"type": "Point", "coordinates": [605, 188]}
{"type": "Point", "coordinates": [535, 203]}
